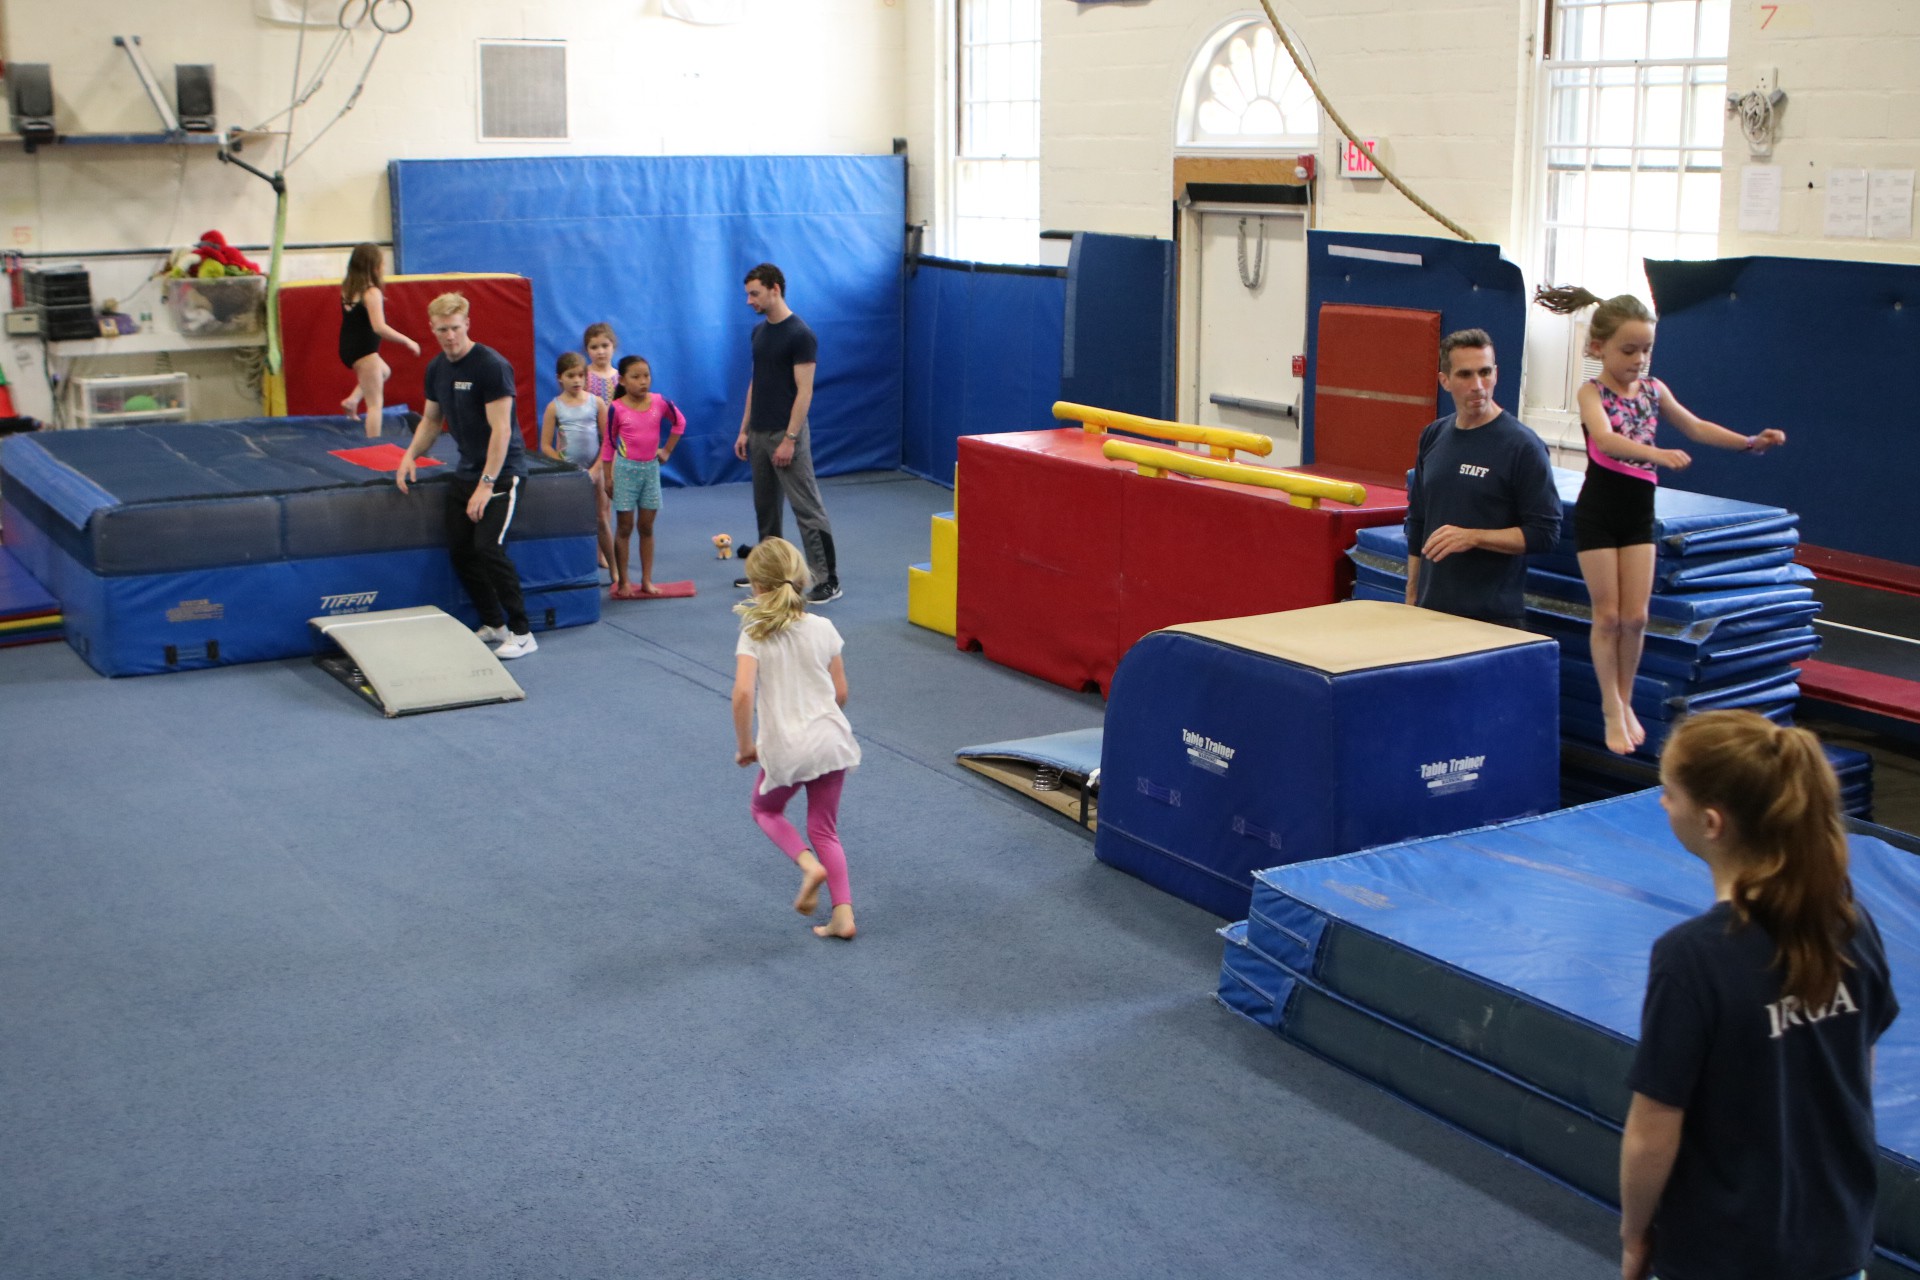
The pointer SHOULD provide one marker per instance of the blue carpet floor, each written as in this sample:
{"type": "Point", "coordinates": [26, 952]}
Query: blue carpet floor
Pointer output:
{"type": "Point", "coordinates": [290, 990]}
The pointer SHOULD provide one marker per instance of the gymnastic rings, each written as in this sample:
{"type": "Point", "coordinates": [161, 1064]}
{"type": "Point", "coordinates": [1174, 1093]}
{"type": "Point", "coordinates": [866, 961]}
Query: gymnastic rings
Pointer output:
{"type": "Point", "coordinates": [374, 8]}
{"type": "Point", "coordinates": [366, 7]}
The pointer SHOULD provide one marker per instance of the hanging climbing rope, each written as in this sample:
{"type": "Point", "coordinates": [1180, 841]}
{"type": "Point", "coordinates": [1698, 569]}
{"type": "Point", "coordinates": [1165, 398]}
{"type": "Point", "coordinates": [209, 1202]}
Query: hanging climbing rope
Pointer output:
{"type": "Point", "coordinates": [386, 18]}
{"type": "Point", "coordinates": [1349, 134]}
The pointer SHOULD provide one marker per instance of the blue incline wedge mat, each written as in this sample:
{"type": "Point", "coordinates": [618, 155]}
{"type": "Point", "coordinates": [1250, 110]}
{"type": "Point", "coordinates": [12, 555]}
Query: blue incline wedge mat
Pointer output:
{"type": "Point", "coordinates": [1525, 947]}
{"type": "Point", "coordinates": [1247, 742]}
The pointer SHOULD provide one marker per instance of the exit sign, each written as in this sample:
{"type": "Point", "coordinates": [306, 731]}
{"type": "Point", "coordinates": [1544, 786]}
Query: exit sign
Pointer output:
{"type": "Point", "coordinates": [1356, 159]}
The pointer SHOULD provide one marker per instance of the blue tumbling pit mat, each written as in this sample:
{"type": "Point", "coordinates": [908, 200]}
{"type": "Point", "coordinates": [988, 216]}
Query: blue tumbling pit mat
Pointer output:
{"type": "Point", "coordinates": [183, 545]}
{"type": "Point", "coordinates": [1524, 947]}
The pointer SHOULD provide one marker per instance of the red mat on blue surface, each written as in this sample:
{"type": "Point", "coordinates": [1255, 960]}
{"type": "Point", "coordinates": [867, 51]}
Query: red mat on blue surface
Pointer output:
{"type": "Point", "coordinates": [666, 591]}
{"type": "Point", "coordinates": [380, 457]}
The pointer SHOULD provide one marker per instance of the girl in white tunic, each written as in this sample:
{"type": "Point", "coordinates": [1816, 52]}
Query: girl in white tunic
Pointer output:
{"type": "Point", "coordinates": [793, 657]}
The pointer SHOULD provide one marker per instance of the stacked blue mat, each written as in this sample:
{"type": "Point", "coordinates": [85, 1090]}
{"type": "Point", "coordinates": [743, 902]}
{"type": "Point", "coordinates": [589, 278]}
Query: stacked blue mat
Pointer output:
{"type": "Point", "coordinates": [1730, 614]}
{"type": "Point", "coordinates": [1494, 979]}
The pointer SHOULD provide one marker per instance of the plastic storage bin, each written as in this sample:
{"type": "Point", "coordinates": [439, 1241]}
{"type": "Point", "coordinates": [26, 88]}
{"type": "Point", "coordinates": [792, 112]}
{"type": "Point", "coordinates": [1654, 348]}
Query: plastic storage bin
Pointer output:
{"type": "Point", "coordinates": [218, 307]}
{"type": "Point", "coordinates": [113, 402]}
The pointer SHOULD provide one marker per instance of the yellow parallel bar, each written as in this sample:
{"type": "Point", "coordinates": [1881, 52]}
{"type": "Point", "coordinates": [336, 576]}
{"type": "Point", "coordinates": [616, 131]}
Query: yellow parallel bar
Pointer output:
{"type": "Point", "coordinates": [1301, 491]}
{"type": "Point", "coordinates": [1221, 440]}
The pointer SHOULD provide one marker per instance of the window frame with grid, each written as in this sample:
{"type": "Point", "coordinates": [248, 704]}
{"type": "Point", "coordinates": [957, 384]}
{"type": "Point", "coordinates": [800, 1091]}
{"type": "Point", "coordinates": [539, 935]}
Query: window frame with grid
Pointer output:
{"type": "Point", "coordinates": [996, 160]}
{"type": "Point", "coordinates": [1639, 135]}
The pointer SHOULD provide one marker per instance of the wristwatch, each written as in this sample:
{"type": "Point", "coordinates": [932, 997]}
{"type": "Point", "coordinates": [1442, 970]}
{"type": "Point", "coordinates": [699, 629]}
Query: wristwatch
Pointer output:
{"type": "Point", "coordinates": [792, 436]}
{"type": "Point", "coordinates": [487, 479]}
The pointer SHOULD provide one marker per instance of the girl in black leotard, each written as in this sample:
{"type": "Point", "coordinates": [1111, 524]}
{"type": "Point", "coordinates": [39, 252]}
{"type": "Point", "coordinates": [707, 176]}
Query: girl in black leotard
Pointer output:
{"type": "Point", "coordinates": [363, 323]}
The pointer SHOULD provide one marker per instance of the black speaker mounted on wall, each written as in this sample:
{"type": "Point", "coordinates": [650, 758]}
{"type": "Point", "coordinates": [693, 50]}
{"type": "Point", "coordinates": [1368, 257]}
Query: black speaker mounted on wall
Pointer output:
{"type": "Point", "coordinates": [193, 96]}
{"type": "Point", "coordinates": [30, 99]}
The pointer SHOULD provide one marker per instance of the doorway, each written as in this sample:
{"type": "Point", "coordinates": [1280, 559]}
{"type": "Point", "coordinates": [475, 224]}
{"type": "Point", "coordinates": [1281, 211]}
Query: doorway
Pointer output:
{"type": "Point", "coordinates": [1246, 299]}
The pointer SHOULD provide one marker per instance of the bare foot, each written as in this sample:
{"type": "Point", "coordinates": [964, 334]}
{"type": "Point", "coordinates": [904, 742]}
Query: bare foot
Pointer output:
{"type": "Point", "coordinates": [647, 589]}
{"type": "Point", "coordinates": [812, 876]}
{"type": "Point", "coordinates": [840, 926]}
{"type": "Point", "coordinates": [1635, 730]}
{"type": "Point", "coordinates": [352, 403]}
{"type": "Point", "coordinates": [1617, 740]}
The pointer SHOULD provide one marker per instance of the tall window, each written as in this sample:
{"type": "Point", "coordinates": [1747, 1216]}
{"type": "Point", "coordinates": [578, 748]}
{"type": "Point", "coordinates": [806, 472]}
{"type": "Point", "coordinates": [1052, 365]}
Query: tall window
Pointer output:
{"type": "Point", "coordinates": [1635, 99]}
{"type": "Point", "coordinates": [996, 190]}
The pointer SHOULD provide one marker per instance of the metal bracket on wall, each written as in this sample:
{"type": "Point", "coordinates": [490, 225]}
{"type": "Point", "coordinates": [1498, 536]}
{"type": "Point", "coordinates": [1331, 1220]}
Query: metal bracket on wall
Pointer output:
{"type": "Point", "coordinates": [149, 82]}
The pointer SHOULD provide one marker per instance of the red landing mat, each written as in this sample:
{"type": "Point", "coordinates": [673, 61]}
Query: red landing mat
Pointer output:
{"type": "Point", "coordinates": [666, 591]}
{"type": "Point", "coordinates": [502, 311]}
{"type": "Point", "coordinates": [380, 457]}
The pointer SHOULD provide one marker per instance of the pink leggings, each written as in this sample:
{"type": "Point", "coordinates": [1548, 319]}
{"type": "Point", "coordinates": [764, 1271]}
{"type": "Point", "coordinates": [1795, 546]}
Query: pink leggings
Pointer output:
{"type": "Point", "coordinates": [823, 821]}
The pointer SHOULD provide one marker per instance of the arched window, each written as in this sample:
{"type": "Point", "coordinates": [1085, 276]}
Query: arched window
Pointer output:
{"type": "Point", "coordinates": [1243, 91]}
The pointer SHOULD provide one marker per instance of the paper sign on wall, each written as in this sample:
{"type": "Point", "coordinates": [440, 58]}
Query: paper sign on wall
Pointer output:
{"type": "Point", "coordinates": [1890, 204]}
{"type": "Point", "coordinates": [1760, 197]}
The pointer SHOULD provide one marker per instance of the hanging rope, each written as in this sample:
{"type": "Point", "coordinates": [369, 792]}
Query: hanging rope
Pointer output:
{"type": "Point", "coordinates": [389, 18]}
{"type": "Point", "coordinates": [1348, 133]}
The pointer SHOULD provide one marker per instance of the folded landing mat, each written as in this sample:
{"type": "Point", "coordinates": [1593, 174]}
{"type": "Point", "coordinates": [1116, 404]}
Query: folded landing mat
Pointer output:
{"type": "Point", "coordinates": [1060, 770]}
{"type": "Point", "coordinates": [1525, 947]}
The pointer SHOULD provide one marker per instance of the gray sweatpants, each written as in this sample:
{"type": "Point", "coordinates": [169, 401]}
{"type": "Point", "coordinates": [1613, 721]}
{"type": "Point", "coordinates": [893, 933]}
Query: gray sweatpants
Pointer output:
{"type": "Point", "coordinates": [795, 481]}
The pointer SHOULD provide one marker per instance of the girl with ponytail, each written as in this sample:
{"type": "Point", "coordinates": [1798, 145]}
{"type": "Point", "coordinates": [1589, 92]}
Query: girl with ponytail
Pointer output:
{"type": "Point", "coordinates": [787, 665]}
{"type": "Point", "coordinates": [1613, 523]}
{"type": "Point", "coordinates": [1749, 1148]}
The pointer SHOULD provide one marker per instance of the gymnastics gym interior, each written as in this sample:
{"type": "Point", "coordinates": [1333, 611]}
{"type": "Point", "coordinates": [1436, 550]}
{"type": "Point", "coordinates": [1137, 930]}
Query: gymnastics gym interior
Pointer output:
{"type": "Point", "coordinates": [1219, 913]}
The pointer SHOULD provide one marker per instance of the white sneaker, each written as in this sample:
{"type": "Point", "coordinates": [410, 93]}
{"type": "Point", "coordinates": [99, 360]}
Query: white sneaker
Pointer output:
{"type": "Point", "coordinates": [491, 635]}
{"type": "Point", "coordinates": [517, 647]}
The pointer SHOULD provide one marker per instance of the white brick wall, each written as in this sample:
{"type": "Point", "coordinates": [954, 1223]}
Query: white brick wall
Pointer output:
{"type": "Point", "coordinates": [1851, 73]}
{"type": "Point", "coordinates": [1438, 80]}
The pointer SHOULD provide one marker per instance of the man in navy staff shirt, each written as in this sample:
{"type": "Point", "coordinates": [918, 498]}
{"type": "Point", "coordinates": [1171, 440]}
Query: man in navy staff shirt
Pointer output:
{"type": "Point", "coordinates": [1482, 497]}
{"type": "Point", "coordinates": [774, 434]}
{"type": "Point", "coordinates": [469, 389]}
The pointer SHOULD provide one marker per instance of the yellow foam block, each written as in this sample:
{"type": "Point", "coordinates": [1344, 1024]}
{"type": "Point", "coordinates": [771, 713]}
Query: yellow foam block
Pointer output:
{"type": "Point", "coordinates": [931, 602]}
{"type": "Point", "coordinates": [946, 547]}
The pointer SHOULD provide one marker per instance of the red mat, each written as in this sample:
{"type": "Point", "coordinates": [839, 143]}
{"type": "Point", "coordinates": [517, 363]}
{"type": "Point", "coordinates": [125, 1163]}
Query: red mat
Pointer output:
{"type": "Point", "coordinates": [1374, 388]}
{"type": "Point", "coordinates": [1067, 557]}
{"type": "Point", "coordinates": [310, 336]}
{"type": "Point", "coordinates": [1888, 696]}
{"type": "Point", "coordinates": [380, 457]}
{"type": "Point", "coordinates": [667, 591]}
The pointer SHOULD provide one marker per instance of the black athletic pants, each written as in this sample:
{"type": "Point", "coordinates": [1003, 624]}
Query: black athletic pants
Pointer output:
{"type": "Point", "coordinates": [480, 556]}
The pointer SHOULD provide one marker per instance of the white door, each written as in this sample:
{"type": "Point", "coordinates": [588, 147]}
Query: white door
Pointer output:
{"type": "Point", "coordinates": [1251, 303]}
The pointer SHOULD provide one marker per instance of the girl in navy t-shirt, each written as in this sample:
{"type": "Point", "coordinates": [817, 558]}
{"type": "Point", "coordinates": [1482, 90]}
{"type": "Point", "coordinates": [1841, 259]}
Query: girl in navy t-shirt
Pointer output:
{"type": "Point", "coordinates": [1749, 1150]}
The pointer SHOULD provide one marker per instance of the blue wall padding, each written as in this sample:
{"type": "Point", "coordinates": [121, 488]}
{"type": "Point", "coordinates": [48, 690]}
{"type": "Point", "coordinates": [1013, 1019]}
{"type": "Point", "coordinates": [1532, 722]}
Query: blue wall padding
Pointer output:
{"type": "Point", "coordinates": [1734, 338]}
{"type": "Point", "coordinates": [1470, 285]}
{"type": "Point", "coordinates": [1119, 344]}
{"type": "Point", "coordinates": [657, 246]}
{"type": "Point", "coordinates": [983, 355]}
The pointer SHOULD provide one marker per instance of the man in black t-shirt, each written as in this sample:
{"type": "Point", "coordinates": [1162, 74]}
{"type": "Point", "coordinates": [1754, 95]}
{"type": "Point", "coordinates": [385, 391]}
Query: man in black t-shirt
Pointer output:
{"type": "Point", "coordinates": [774, 436]}
{"type": "Point", "coordinates": [469, 393]}
{"type": "Point", "coordinates": [1482, 496]}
